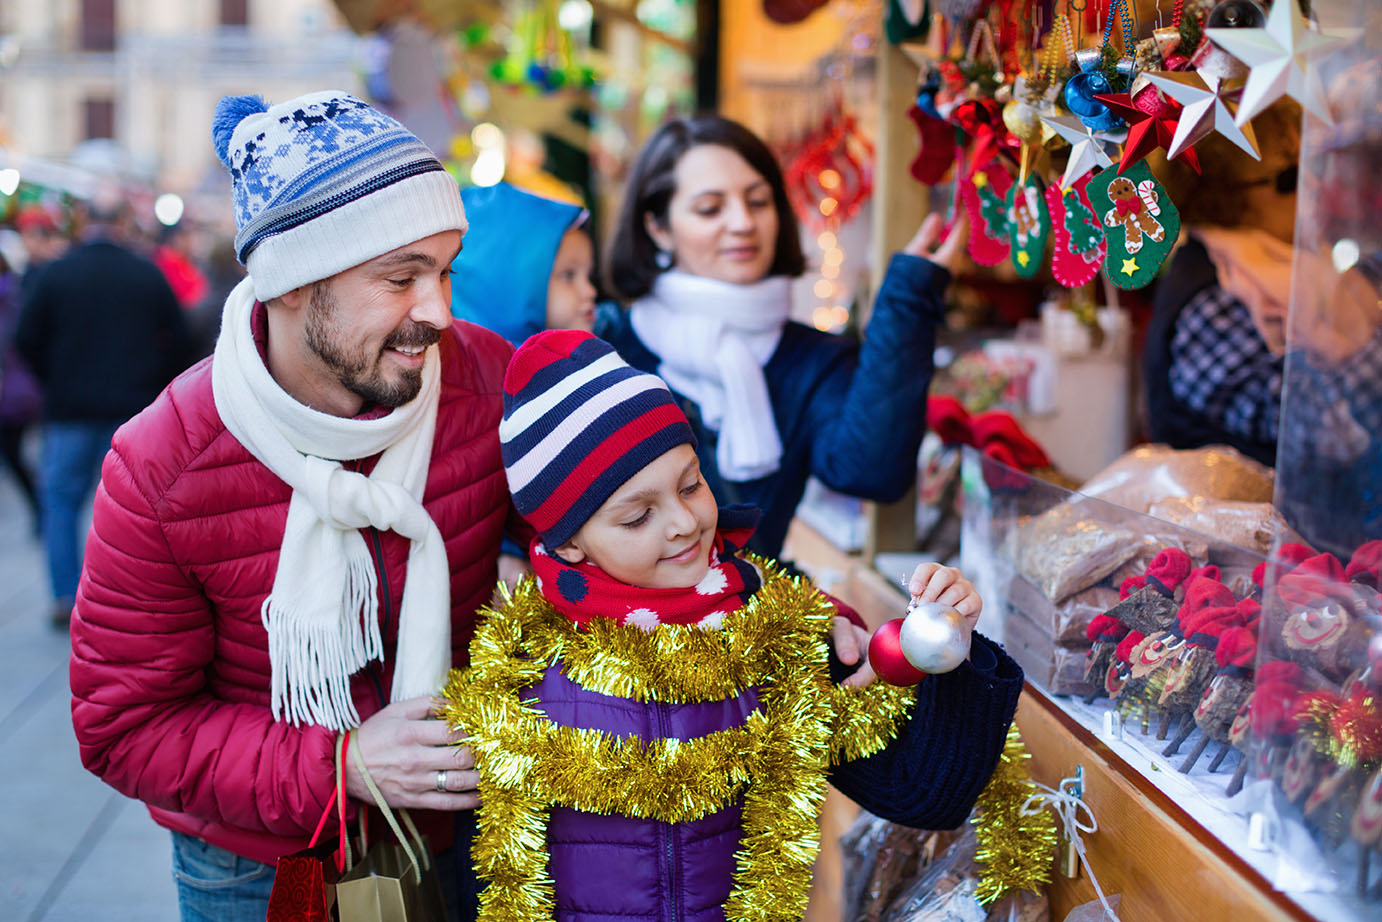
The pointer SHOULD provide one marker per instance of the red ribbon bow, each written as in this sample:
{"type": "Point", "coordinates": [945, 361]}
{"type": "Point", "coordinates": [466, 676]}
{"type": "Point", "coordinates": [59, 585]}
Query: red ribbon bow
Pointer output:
{"type": "Point", "coordinates": [1128, 206]}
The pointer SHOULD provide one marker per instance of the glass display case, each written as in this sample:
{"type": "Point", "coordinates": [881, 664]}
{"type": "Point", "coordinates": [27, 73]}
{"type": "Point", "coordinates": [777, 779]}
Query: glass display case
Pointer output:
{"type": "Point", "coordinates": [1172, 611]}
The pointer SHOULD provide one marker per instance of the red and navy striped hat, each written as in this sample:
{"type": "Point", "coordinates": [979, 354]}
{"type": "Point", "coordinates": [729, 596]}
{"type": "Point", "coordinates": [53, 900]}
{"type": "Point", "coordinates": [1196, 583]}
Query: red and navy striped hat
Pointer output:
{"type": "Point", "coordinates": [578, 423]}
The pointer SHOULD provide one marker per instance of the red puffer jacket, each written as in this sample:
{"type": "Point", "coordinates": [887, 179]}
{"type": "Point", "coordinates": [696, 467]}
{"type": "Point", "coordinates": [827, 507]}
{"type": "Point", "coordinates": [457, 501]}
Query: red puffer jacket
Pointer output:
{"type": "Point", "coordinates": [170, 664]}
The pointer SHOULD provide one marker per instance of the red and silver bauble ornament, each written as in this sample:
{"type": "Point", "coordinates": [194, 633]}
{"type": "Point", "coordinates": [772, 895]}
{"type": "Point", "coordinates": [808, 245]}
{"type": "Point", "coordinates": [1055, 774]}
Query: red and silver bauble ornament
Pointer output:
{"type": "Point", "coordinates": [931, 640]}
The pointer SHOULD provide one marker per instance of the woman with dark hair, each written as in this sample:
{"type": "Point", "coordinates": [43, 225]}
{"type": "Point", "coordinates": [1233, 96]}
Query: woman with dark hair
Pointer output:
{"type": "Point", "coordinates": [704, 251]}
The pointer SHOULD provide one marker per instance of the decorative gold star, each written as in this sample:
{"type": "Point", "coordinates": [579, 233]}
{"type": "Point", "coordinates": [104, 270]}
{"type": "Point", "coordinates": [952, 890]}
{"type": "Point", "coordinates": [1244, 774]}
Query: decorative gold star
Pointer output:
{"type": "Point", "coordinates": [1280, 57]}
{"type": "Point", "coordinates": [1023, 258]}
{"type": "Point", "coordinates": [1204, 110]}
{"type": "Point", "coordinates": [1130, 265]}
{"type": "Point", "coordinates": [981, 179]}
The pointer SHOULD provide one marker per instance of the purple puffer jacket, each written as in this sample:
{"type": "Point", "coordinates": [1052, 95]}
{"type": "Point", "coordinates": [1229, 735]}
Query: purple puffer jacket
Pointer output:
{"type": "Point", "coordinates": [615, 867]}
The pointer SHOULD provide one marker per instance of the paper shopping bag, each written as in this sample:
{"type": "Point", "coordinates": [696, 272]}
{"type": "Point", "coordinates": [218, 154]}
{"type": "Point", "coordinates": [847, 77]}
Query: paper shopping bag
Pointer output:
{"type": "Point", "coordinates": [394, 881]}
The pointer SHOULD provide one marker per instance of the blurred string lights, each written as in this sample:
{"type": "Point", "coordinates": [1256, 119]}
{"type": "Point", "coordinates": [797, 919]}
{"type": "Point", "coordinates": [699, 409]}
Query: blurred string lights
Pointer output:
{"type": "Point", "coordinates": [168, 208]}
{"type": "Point", "coordinates": [488, 168]}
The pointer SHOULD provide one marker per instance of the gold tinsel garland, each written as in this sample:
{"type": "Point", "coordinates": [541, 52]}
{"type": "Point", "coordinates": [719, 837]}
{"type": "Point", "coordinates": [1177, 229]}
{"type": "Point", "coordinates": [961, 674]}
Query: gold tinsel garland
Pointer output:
{"type": "Point", "coordinates": [1015, 847]}
{"type": "Point", "coordinates": [776, 760]}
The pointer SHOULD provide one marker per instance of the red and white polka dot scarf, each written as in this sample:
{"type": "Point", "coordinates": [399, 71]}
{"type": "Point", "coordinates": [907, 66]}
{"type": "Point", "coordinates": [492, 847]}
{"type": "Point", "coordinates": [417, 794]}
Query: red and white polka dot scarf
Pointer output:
{"type": "Point", "coordinates": [583, 591]}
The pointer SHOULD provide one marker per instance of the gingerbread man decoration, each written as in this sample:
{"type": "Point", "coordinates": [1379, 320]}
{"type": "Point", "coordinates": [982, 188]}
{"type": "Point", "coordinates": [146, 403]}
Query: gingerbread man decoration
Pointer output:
{"type": "Point", "coordinates": [1140, 220]}
{"type": "Point", "coordinates": [1135, 209]}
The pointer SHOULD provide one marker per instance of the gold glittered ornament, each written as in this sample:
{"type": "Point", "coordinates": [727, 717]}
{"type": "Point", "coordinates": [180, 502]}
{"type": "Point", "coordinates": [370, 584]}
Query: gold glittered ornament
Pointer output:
{"type": "Point", "coordinates": [1023, 120]}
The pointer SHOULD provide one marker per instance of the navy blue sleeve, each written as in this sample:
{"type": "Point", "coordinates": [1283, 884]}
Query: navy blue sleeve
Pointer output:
{"type": "Point", "coordinates": [869, 415]}
{"type": "Point", "coordinates": [931, 775]}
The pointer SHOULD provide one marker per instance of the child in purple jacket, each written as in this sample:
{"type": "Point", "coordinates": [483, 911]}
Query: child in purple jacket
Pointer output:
{"type": "Point", "coordinates": [654, 717]}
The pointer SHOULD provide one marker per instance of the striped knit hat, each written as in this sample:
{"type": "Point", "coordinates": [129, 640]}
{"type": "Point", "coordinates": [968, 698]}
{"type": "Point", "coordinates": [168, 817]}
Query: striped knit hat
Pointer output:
{"type": "Point", "coordinates": [325, 182]}
{"type": "Point", "coordinates": [578, 423]}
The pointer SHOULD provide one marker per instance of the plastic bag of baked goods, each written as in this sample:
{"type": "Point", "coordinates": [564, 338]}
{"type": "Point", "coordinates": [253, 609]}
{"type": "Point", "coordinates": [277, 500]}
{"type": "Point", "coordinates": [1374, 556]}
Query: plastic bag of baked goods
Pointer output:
{"type": "Point", "coordinates": [1253, 526]}
{"type": "Point", "coordinates": [1151, 473]}
{"type": "Point", "coordinates": [1062, 551]}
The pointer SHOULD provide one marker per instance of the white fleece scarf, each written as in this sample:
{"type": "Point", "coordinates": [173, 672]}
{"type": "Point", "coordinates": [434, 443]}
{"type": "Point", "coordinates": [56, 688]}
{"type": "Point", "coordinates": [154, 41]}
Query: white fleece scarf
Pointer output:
{"type": "Point", "coordinates": [713, 339]}
{"type": "Point", "coordinates": [321, 614]}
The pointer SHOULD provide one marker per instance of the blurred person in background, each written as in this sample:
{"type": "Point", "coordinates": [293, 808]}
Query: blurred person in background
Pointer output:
{"type": "Point", "coordinates": [20, 400]}
{"type": "Point", "coordinates": [40, 229]}
{"type": "Point", "coordinates": [1216, 344]}
{"type": "Point", "coordinates": [103, 333]}
{"type": "Point", "coordinates": [705, 250]}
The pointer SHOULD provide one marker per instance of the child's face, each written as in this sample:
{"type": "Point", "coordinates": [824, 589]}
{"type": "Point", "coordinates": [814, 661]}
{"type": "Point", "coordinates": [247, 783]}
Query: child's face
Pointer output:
{"type": "Point", "coordinates": [657, 530]}
{"type": "Point", "coordinates": [570, 295]}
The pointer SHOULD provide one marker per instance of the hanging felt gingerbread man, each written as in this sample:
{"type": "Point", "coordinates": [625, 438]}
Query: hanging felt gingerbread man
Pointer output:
{"type": "Point", "coordinates": [1078, 249]}
{"type": "Point", "coordinates": [1140, 223]}
{"type": "Point", "coordinates": [1029, 226]}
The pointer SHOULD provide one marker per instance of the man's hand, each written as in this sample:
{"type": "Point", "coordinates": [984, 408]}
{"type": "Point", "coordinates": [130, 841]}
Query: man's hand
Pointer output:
{"type": "Point", "coordinates": [406, 751]}
{"type": "Point", "coordinates": [932, 582]}
{"type": "Point", "coordinates": [852, 646]}
{"type": "Point", "coordinates": [511, 570]}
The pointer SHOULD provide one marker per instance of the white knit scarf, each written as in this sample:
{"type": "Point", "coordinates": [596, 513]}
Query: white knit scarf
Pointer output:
{"type": "Point", "coordinates": [321, 614]}
{"type": "Point", "coordinates": [713, 339]}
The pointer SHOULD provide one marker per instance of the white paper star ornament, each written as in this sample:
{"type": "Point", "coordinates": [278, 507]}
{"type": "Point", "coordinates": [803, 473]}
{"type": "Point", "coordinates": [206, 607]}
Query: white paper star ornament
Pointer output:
{"type": "Point", "coordinates": [1281, 60]}
{"type": "Point", "coordinates": [1086, 147]}
{"type": "Point", "coordinates": [1205, 110]}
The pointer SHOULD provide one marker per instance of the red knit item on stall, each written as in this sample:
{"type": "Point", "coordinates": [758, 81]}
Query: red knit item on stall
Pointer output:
{"type": "Point", "coordinates": [1124, 649]}
{"type": "Point", "coordinates": [1366, 565]}
{"type": "Point", "coordinates": [1250, 611]}
{"type": "Point", "coordinates": [1201, 593]}
{"type": "Point", "coordinates": [1131, 585]}
{"type": "Point", "coordinates": [1314, 581]}
{"type": "Point", "coordinates": [1210, 571]}
{"type": "Point", "coordinates": [1204, 626]}
{"type": "Point", "coordinates": [1281, 671]}
{"type": "Point", "coordinates": [999, 427]}
{"type": "Point", "coordinates": [1287, 557]}
{"type": "Point", "coordinates": [1273, 708]}
{"type": "Point", "coordinates": [1237, 647]}
{"type": "Point", "coordinates": [1106, 628]}
{"type": "Point", "coordinates": [948, 419]}
{"type": "Point", "coordinates": [1172, 567]}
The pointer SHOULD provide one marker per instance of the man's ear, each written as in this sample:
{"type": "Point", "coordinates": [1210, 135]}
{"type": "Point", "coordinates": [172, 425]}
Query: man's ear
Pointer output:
{"type": "Point", "coordinates": [661, 236]}
{"type": "Point", "coordinates": [295, 299]}
{"type": "Point", "coordinates": [569, 553]}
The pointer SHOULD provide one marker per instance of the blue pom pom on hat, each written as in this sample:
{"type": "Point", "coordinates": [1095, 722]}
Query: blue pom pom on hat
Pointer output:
{"type": "Point", "coordinates": [325, 182]}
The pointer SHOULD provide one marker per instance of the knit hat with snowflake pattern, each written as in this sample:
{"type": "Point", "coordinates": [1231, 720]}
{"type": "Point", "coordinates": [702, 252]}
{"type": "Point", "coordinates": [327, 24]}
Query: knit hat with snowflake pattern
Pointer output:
{"type": "Point", "coordinates": [325, 182]}
{"type": "Point", "coordinates": [578, 423]}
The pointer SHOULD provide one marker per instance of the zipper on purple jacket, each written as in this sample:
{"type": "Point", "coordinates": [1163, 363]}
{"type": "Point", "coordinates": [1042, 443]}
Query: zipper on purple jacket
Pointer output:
{"type": "Point", "coordinates": [660, 710]}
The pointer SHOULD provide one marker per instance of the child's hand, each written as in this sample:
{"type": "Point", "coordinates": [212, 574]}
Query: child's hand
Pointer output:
{"type": "Point", "coordinates": [934, 583]}
{"type": "Point", "coordinates": [852, 646]}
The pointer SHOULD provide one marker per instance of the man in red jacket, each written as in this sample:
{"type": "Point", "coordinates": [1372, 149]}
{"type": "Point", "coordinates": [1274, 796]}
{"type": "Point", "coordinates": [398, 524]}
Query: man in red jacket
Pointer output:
{"type": "Point", "coordinates": [291, 542]}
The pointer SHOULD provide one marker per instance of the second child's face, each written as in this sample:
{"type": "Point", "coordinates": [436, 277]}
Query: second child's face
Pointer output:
{"type": "Point", "coordinates": [657, 530]}
{"type": "Point", "coordinates": [570, 295]}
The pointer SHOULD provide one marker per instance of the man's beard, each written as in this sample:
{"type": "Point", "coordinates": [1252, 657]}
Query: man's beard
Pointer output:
{"type": "Point", "coordinates": [359, 370]}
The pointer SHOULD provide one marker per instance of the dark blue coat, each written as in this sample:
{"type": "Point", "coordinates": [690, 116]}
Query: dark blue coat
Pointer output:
{"type": "Point", "coordinates": [852, 416]}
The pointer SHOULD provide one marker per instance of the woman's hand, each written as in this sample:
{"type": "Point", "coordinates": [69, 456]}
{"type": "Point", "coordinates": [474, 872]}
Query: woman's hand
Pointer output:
{"type": "Point", "coordinates": [411, 756]}
{"type": "Point", "coordinates": [948, 253]}
{"type": "Point", "coordinates": [932, 582]}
